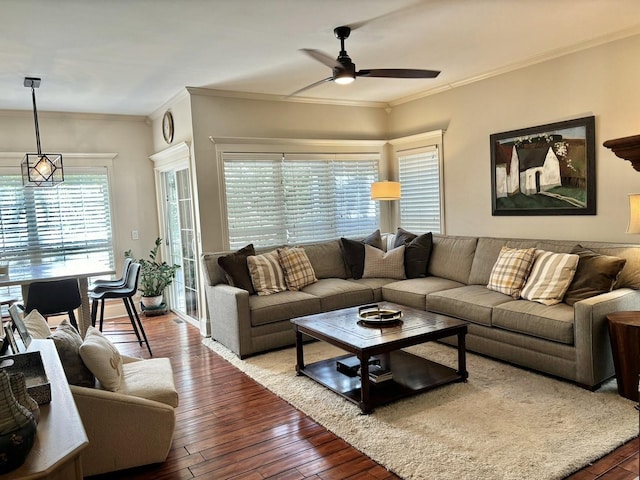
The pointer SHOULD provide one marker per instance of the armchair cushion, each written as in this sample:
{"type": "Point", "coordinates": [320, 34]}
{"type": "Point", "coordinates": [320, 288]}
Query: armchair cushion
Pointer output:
{"type": "Point", "coordinates": [151, 379]}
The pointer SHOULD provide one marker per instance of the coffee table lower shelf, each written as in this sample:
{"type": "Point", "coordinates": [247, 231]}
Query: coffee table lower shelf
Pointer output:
{"type": "Point", "coordinates": [411, 375]}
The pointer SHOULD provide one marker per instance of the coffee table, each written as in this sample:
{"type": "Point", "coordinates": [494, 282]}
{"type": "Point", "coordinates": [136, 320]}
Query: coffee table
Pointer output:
{"type": "Point", "coordinates": [411, 374]}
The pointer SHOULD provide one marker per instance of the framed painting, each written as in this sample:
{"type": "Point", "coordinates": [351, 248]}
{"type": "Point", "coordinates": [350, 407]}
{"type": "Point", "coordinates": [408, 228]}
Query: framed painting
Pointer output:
{"type": "Point", "coordinates": [545, 170]}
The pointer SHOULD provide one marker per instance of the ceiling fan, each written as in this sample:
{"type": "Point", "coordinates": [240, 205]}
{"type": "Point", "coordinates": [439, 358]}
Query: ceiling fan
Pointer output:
{"type": "Point", "coordinates": [344, 70]}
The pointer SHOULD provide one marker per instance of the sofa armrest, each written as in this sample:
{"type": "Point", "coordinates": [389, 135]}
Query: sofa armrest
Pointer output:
{"type": "Point", "coordinates": [123, 431]}
{"type": "Point", "coordinates": [230, 317]}
{"type": "Point", "coordinates": [593, 348]}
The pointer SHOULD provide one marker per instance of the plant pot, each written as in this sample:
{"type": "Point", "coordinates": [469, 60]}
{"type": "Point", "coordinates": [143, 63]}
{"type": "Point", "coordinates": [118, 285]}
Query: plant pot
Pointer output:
{"type": "Point", "coordinates": [152, 302]}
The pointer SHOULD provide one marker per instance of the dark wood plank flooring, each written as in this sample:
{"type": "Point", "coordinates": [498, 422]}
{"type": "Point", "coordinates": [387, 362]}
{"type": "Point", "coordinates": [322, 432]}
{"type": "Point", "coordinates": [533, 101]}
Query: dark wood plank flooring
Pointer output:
{"type": "Point", "coordinates": [230, 427]}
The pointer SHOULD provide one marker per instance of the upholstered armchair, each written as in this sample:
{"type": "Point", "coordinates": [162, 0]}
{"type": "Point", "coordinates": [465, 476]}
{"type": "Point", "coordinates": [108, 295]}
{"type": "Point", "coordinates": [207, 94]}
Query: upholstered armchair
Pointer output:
{"type": "Point", "coordinates": [133, 426]}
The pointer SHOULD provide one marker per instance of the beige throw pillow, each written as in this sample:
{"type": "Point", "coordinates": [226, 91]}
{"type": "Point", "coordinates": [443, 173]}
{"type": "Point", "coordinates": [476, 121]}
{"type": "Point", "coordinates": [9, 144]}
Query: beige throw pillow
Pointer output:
{"type": "Point", "coordinates": [102, 358]}
{"type": "Point", "coordinates": [380, 264]}
{"type": "Point", "coordinates": [298, 272]}
{"type": "Point", "coordinates": [266, 273]}
{"type": "Point", "coordinates": [36, 325]}
{"type": "Point", "coordinates": [511, 270]}
{"type": "Point", "coordinates": [550, 277]}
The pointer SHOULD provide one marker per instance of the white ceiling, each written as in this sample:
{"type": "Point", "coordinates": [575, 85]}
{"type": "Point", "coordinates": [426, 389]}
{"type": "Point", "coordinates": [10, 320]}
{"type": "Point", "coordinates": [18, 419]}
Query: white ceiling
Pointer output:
{"type": "Point", "coordinates": [132, 56]}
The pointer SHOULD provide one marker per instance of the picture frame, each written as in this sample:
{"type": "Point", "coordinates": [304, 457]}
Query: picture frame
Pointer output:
{"type": "Point", "coordinates": [8, 333]}
{"type": "Point", "coordinates": [544, 170]}
{"type": "Point", "coordinates": [16, 317]}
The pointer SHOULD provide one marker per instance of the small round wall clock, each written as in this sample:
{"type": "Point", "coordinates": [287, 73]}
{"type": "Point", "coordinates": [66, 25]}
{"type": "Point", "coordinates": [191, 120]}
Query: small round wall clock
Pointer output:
{"type": "Point", "coordinates": [167, 127]}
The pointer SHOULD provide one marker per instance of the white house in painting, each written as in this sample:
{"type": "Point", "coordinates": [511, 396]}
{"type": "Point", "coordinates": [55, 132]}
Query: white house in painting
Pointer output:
{"type": "Point", "coordinates": [529, 171]}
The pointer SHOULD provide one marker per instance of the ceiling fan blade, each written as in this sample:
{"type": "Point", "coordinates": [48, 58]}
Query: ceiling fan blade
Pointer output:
{"type": "Point", "coordinates": [314, 84]}
{"type": "Point", "coordinates": [398, 73]}
{"type": "Point", "coordinates": [321, 57]}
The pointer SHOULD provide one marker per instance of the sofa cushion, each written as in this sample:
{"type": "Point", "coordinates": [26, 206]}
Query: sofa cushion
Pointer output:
{"type": "Point", "coordinates": [280, 306]}
{"type": "Point", "coordinates": [266, 273]}
{"type": "Point", "coordinates": [511, 270]}
{"type": "Point", "coordinates": [381, 264]}
{"type": "Point", "coordinates": [326, 259]}
{"type": "Point", "coordinates": [298, 272]}
{"type": "Point", "coordinates": [551, 322]}
{"type": "Point", "coordinates": [335, 293]}
{"type": "Point", "coordinates": [595, 274]}
{"type": "Point", "coordinates": [451, 257]}
{"type": "Point", "coordinates": [550, 277]}
{"type": "Point", "coordinates": [473, 303]}
{"type": "Point", "coordinates": [102, 358]}
{"type": "Point", "coordinates": [413, 292]}
{"type": "Point", "coordinates": [236, 269]}
{"type": "Point", "coordinates": [375, 284]}
{"type": "Point", "coordinates": [151, 379]}
{"type": "Point", "coordinates": [353, 252]}
{"type": "Point", "coordinates": [68, 341]}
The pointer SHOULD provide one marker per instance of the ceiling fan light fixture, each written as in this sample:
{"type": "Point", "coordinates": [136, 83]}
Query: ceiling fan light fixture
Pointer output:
{"type": "Point", "coordinates": [344, 78]}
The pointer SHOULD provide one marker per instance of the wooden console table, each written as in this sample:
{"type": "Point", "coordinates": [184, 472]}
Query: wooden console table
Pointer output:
{"type": "Point", "coordinates": [61, 436]}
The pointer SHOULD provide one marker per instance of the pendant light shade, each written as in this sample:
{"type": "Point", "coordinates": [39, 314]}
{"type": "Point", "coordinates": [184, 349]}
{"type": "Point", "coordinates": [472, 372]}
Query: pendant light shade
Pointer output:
{"type": "Point", "coordinates": [40, 169]}
{"type": "Point", "coordinates": [385, 190]}
{"type": "Point", "coordinates": [634, 213]}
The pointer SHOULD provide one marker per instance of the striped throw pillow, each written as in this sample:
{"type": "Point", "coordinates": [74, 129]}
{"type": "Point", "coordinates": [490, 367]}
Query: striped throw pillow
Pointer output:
{"type": "Point", "coordinates": [266, 274]}
{"type": "Point", "coordinates": [511, 270]}
{"type": "Point", "coordinates": [298, 272]}
{"type": "Point", "coordinates": [550, 277]}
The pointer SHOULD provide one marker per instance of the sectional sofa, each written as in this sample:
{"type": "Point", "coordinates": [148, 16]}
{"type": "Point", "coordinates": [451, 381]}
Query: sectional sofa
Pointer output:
{"type": "Point", "coordinates": [567, 341]}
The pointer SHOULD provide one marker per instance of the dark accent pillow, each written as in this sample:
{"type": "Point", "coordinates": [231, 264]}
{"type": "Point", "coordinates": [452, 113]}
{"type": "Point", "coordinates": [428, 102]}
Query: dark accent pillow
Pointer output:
{"type": "Point", "coordinates": [595, 274]}
{"type": "Point", "coordinates": [68, 341]}
{"type": "Point", "coordinates": [353, 252]}
{"type": "Point", "coordinates": [236, 270]}
{"type": "Point", "coordinates": [403, 237]}
{"type": "Point", "coordinates": [416, 256]}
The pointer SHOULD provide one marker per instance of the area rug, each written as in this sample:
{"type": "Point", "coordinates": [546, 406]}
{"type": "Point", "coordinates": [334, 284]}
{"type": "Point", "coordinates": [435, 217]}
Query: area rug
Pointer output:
{"type": "Point", "coordinates": [504, 423]}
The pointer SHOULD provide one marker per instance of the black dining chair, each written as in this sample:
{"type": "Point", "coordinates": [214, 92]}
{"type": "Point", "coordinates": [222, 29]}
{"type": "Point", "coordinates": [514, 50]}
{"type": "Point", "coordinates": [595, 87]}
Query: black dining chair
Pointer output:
{"type": "Point", "coordinates": [102, 284]}
{"type": "Point", "coordinates": [126, 293]}
{"type": "Point", "coordinates": [54, 297]}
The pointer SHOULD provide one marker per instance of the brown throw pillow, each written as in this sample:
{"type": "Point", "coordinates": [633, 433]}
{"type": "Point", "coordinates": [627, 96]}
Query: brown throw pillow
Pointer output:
{"type": "Point", "coordinates": [68, 342]}
{"type": "Point", "coordinates": [416, 256]}
{"type": "Point", "coordinates": [353, 252]}
{"type": "Point", "coordinates": [236, 270]}
{"type": "Point", "coordinates": [595, 274]}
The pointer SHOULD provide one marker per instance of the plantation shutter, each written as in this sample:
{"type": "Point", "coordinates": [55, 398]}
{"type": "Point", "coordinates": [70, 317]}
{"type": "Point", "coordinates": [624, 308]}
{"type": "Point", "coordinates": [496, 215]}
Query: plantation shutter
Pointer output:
{"type": "Point", "coordinates": [298, 198]}
{"type": "Point", "coordinates": [419, 175]}
{"type": "Point", "coordinates": [69, 222]}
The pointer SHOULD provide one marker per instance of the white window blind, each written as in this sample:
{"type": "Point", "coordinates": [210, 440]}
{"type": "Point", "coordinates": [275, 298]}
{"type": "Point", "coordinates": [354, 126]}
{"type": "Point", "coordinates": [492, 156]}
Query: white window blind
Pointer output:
{"type": "Point", "coordinates": [298, 198]}
{"type": "Point", "coordinates": [69, 222]}
{"type": "Point", "coordinates": [419, 175]}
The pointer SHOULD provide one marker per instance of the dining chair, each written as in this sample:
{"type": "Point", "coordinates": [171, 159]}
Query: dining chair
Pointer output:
{"type": "Point", "coordinates": [54, 297]}
{"type": "Point", "coordinates": [6, 302]}
{"type": "Point", "coordinates": [126, 293]}
{"type": "Point", "coordinates": [116, 283]}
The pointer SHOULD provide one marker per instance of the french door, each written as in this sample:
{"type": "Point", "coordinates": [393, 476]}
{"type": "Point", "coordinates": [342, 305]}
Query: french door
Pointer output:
{"type": "Point", "coordinates": [178, 229]}
{"type": "Point", "coordinates": [181, 241]}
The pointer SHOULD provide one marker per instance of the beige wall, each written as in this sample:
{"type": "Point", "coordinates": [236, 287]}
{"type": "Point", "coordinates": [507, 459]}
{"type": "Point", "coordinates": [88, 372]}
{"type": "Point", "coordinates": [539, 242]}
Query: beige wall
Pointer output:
{"type": "Point", "coordinates": [133, 191]}
{"type": "Point", "coordinates": [602, 81]}
{"type": "Point", "coordinates": [216, 116]}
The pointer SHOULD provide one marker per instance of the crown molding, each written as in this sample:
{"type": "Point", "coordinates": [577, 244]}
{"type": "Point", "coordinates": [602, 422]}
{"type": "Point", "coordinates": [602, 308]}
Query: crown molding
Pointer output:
{"type": "Point", "coordinates": [210, 92]}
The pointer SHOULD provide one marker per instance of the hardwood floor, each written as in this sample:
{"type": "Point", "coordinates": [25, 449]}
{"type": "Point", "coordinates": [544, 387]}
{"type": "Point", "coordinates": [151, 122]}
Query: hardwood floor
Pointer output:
{"type": "Point", "coordinates": [230, 427]}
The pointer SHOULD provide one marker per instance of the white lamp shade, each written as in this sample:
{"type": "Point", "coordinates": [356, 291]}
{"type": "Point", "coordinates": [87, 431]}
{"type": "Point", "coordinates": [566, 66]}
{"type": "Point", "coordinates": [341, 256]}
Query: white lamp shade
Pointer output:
{"type": "Point", "coordinates": [385, 190]}
{"type": "Point", "coordinates": [634, 213]}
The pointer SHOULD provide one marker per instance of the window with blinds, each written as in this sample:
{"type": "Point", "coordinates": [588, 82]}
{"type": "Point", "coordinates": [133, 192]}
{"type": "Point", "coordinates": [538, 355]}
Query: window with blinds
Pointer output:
{"type": "Point", "coordinates": [69, 222]}
{"type": "Point", "coordinates": [419, 175]}
{"type": "Point", "coordinates": [276, 199]}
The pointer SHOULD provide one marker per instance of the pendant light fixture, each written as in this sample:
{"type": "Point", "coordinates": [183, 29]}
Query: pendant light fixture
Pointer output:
{"type": "Point", "coordinates": [40, 169]}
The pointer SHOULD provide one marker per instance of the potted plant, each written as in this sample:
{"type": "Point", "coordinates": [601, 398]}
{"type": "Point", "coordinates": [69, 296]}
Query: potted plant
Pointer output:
{"type": "Point", "coordinates": [155, 276]}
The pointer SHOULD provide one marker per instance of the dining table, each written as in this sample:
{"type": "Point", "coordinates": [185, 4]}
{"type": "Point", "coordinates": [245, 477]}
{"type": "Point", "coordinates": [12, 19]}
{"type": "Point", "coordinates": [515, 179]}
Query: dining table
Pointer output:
{"type": "Point", "coordinates": [82, 270]}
